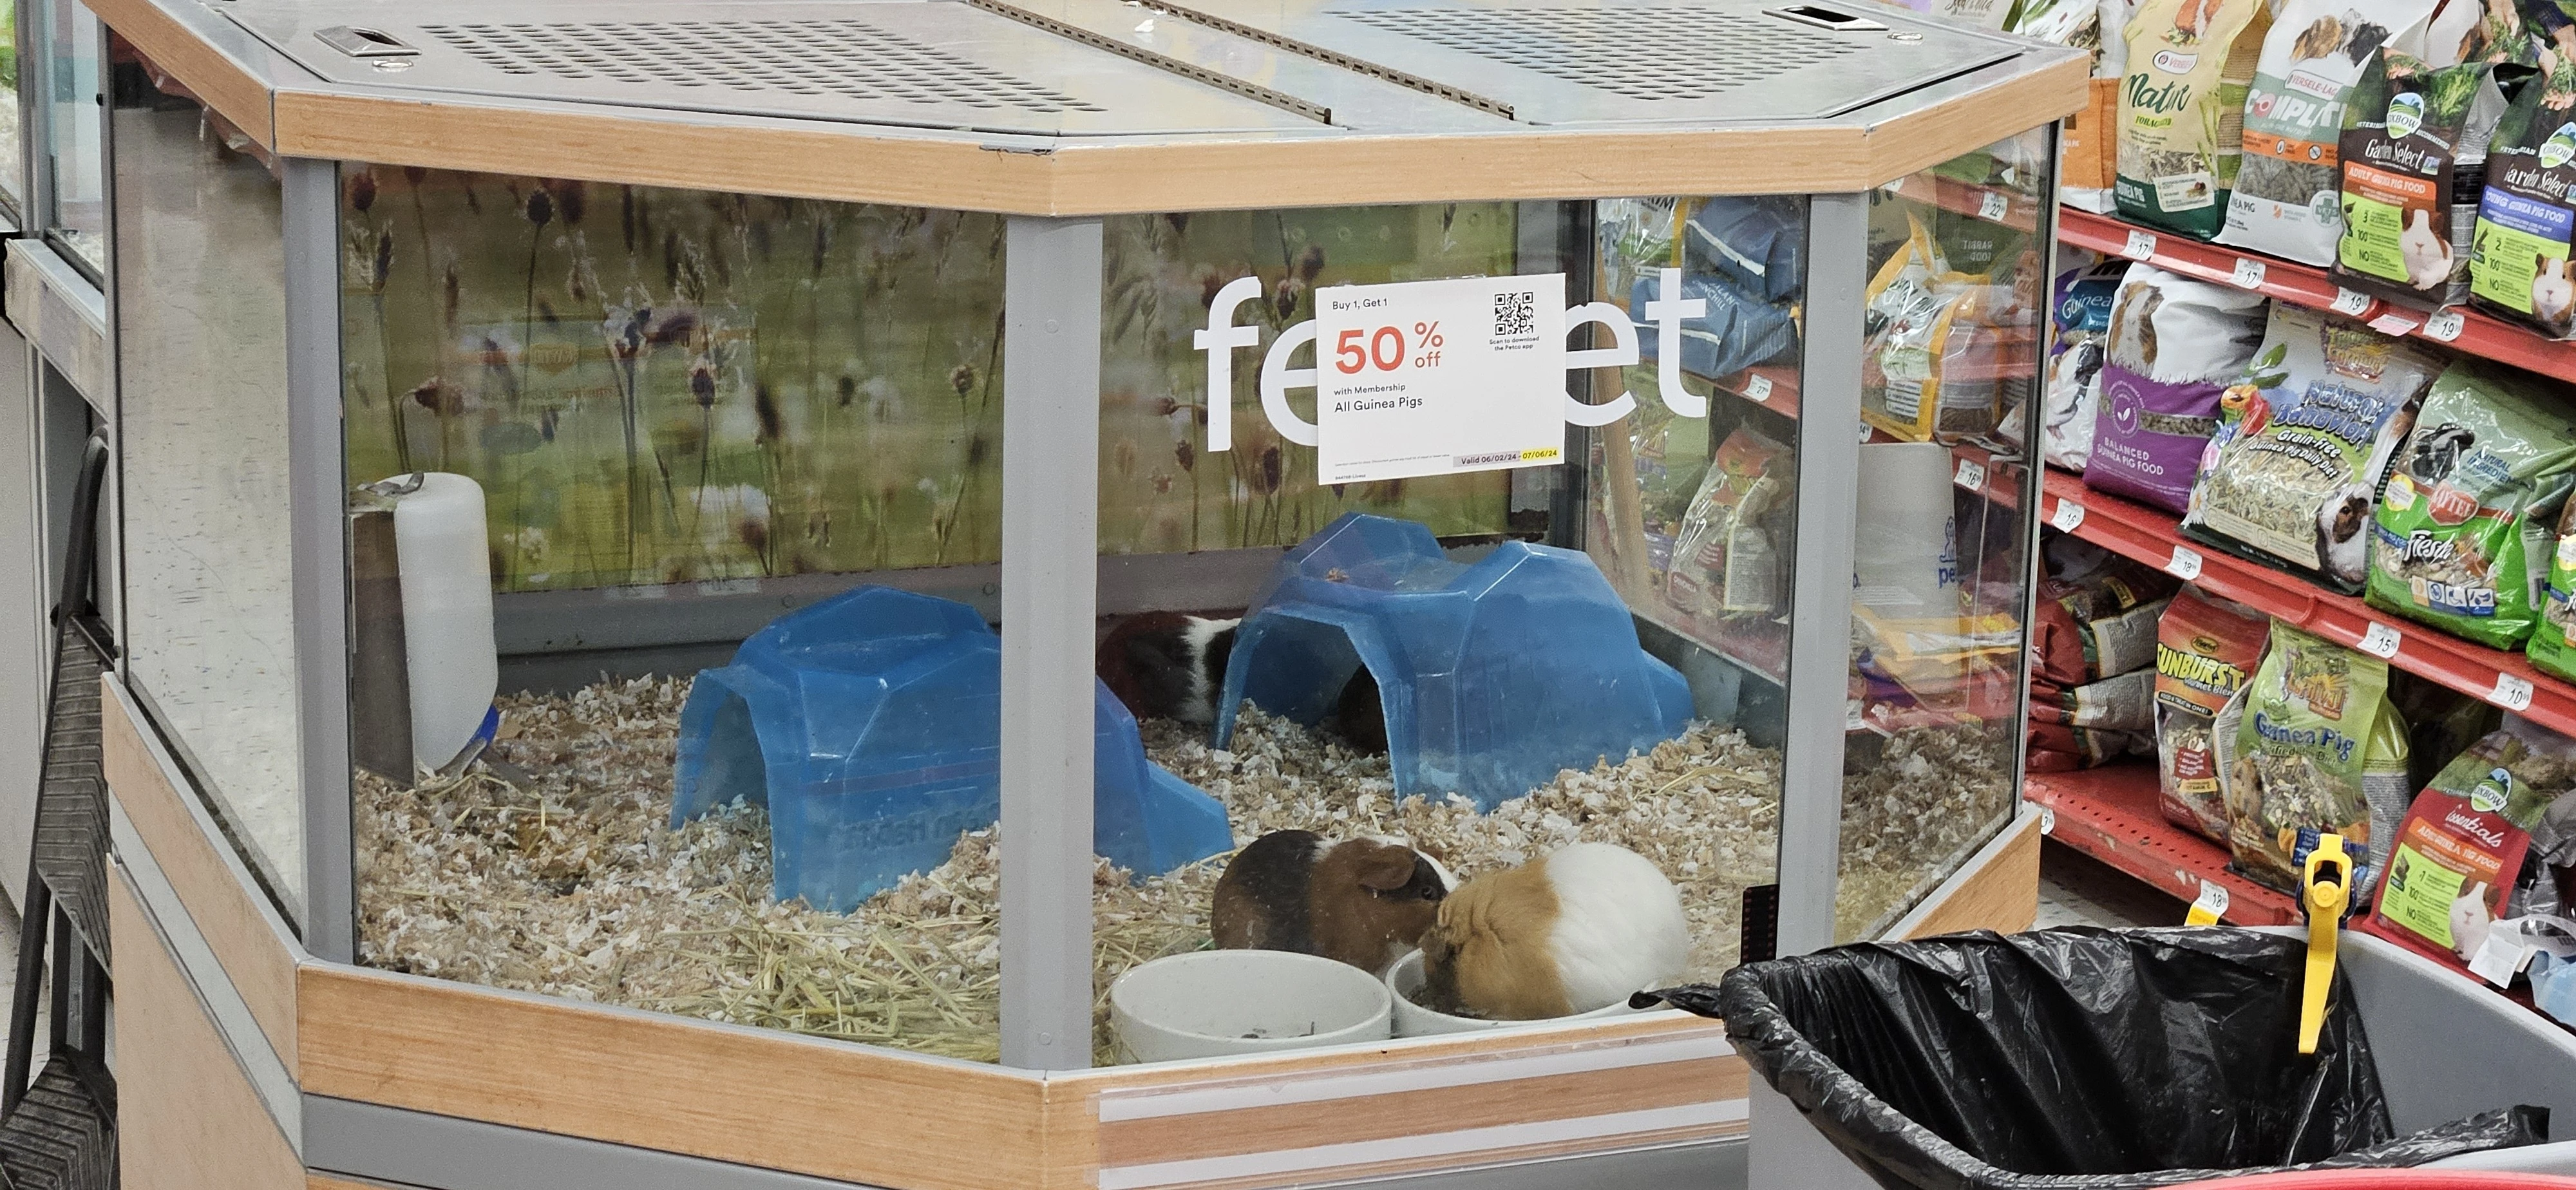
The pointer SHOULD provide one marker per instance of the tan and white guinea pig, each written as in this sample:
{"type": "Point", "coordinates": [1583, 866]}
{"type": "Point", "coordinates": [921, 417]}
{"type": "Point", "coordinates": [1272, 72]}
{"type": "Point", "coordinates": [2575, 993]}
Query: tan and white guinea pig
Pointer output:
{"type": "Point", "coordinates": [1360, 901]}
{"type": "Point", "coordinates": [1577, 930]}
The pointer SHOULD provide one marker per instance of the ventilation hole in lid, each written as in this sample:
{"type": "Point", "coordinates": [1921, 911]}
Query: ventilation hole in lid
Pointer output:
{"type": "Point", "coordinates": [807, 57]}
{"type": "Point", "coordinates": [1687, 53]}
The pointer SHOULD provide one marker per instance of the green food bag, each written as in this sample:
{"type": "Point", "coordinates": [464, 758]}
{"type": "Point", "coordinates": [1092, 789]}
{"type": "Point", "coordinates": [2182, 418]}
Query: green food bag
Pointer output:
{"type": "Point", "coordinates": [2317, 749]}
{"type": "Point", "coordinates": [2550, 647]}
{"type": "Point", "coordinates": [2466, 519]}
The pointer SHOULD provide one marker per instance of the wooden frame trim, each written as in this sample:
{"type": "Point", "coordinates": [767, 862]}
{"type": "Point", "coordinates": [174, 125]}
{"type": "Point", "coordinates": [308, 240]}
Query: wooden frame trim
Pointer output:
{"type": "Point", "coordinates": [722, 1092]}
{"type": "Point", "coordinates": [248, 940]}
{"type": "Point", "coordinates": [1998, 889]}
{"type": "Point", "coordinates": [1080, 178]}
{"type": "Point", "coordinates": [183, 1087]}
{"type": "Point", "coordinates": [212, 74]}
{"type": "Point", "coordinates": [1919, 140]}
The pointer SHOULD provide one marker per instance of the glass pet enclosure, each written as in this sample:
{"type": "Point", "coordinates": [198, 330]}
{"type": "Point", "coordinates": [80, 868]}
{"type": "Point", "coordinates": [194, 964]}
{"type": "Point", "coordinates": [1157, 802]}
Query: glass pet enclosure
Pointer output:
{"type": "Point", "coordinates": [703, 569]}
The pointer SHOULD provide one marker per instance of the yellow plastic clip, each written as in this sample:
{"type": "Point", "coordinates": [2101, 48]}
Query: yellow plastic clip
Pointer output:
{"type": "Point", "coordinates": [2325, 883]}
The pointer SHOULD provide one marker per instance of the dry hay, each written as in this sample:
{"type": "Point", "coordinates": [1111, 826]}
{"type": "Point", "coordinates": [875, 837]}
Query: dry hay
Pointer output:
{"type": "Point", "coordinates": [548, 868]}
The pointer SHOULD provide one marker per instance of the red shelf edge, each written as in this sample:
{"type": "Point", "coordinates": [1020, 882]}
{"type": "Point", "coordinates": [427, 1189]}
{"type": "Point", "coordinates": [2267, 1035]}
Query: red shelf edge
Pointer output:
{"type": "Point", "coordinates": [2150, 536]}
{"type": "Point", "coordinates": [2110, 814]}
{"type": "Point", "coordinates": [2308, 285]}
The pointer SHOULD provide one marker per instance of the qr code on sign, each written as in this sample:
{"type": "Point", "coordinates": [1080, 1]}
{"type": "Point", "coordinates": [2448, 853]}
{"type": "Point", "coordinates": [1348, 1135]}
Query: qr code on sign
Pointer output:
{"type": "Point", "coordinates": [1515, 313]}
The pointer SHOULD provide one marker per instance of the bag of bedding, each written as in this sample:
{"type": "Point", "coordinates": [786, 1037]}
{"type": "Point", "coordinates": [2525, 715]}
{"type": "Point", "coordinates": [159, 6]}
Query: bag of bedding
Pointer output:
{"type": "Point", "coordinates": [2518, 255]}
{"type": "Point", "coordinates": [2304, 442]}
{"type": "Point", "coordinates": [2316, 750]}
{"type": "Point", "coordinates": [2206, 649]}
{"type": "Point", "coordinates": [2466, 521]}
{"type": "Point", "coordinates": [2181, 125]}
{"type": "Point", "coordinates": [2288, 184]}
{"type": "Point", "coordinates": [2413, 160]}
{"type": "Point", "coordinates": [2174, 345]}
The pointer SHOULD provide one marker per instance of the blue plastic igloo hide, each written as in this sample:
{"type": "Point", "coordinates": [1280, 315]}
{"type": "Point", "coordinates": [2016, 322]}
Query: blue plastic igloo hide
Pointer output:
{"type": "Point", "coordinates": [870, 725]}
{"type": "Point", "coordinates": [1493, 676]}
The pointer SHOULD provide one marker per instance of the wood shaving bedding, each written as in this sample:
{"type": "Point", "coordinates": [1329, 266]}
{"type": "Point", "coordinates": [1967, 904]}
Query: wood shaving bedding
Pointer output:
{"type": "Point", "coordinates": [548, 868]}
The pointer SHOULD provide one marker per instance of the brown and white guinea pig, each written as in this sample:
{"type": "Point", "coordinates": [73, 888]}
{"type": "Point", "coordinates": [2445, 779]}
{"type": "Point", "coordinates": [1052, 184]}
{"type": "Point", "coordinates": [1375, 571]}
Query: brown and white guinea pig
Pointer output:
{"type": "Point", "coordinates": [1579, 929]}
{"type": "Point", "coordinates": [1165, 665]}
{"type": "Point", "coordinates": [1360, 901]}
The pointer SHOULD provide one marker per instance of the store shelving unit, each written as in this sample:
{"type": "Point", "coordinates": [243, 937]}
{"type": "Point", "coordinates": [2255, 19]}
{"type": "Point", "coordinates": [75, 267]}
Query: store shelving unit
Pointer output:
{"type": "Point", "coordinates": [2307, 285]}
{"type": "Point", "coordinates": [2111, 813]}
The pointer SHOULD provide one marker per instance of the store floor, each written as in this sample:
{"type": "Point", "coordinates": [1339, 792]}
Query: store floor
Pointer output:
{"type": "Point", "coordinates": [2077, 890]}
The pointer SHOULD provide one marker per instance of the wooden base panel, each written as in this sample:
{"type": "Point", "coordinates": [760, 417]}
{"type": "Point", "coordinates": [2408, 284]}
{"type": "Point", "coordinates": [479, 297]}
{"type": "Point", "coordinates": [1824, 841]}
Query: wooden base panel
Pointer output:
{"type": "Point", "coordinates": [247, 939]}
{"type": "Point", "coordinates": [187, 1118]}
{"type": "Point", "coordinates": [872, 1116]}
{"type": "Point", "coordinates": [2000, 895]}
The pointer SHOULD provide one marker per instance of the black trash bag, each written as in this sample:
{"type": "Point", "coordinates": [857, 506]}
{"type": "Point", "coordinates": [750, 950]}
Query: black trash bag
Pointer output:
{"type": "Point", "coordinates": [2074, 1058]}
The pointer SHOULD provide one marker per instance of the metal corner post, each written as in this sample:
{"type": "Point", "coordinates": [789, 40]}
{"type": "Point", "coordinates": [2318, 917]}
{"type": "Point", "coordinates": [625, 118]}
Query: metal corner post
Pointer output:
{"type": "Point", "coordinates": [1050, 552]}
{"type": "Point", "coordinates": [318, 489]}
{"type": "Point", "coordinates": [1811, 795]}
{"type": "Point", "coordinates": [2035, 454]}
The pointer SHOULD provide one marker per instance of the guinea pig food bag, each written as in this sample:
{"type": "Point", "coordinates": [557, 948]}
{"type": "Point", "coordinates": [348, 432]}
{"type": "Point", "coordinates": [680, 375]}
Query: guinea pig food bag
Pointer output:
{"type": "Point", "coordinates": [2470, 506]}
{"type": "Point", "coordinates": [2413, 156]}
{"type": "Point", "coordinates": [2205, 649]}
{"type": "Point", "coordinates": [2518, 259]}
{"type": "Point", "coordinates": [2182, 110]}
{"type": "Point", "coordinates": [2316, 749]}
{"type": "Point", "coordinates": [2074, 385]}
{"type": "Point", "coordinates": [2460, 850]}
{"type": "Point", "coordinates": [2285, 200]}
{"type": "Point", "coordinates": [2174, 346]}
{"type": "Point", "coordinates": [2553, 639]}
{"type": "Point", "coordinates": [2304, 441]}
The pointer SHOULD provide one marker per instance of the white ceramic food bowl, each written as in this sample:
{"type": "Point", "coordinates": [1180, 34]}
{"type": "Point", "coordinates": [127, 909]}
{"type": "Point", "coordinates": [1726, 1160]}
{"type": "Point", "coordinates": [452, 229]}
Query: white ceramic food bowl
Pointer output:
{"type": "Point", "coordinates": [1213, 1003]}
{"type": "Point", "coordinates": [1404, 981]}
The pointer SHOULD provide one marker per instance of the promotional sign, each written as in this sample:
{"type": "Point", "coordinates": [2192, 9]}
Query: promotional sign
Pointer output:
{"type": "Point", "coordinates": [1423, 378]}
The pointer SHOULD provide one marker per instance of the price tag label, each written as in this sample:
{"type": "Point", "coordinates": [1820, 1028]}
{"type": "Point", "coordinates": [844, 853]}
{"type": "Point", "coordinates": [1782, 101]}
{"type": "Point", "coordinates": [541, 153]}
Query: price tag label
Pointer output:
{"type": "Point", "coordinates": [1757, 387]}
{"type": "Point", "coordinates": [2511, 693]}
{"type": "Point", "coordinates": [1422, 378]}
{"type": "Point", "coordinates": [1852, 719]}
{"type": "Point", "coordinates": [2068, 515]}
{"type": "Point", "coordinates": [1864, 433]}
{"type": "Point", "coordinates": [2048, 820]}
{"type": "Point", "coordinates": [2445, 325]}
{"type": "Point", "coordinates": [2248, 274]}
{"type": "Point", "coordinates": [2185, 563]}
{"type": "Point", "coordinates": [1972, 475]}
{"type": "Point", "coordinates": [1992, 207]}
{"type": "Point", "coordinates": [2393, 323]}
{"type": "Point", "coordinates": [2141, 245]}
{"type": "Point", "coordinates": [2209, 907]}
{"type": "Point", "coordinates": [2379, 640]}
{"type": "Point", "coordinates": [2349, 303]}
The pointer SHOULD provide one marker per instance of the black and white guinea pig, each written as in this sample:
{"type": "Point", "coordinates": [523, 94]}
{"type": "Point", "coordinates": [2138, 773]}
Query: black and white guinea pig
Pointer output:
{"type": "Point", "coordinates": [1361, 901]}
{"type": "Point", "coordinates": [1579, 929]}
{"type": "Point", "coordinates": [2343, 537]}
{"type": "Point", "coordinates": [1165, 665]}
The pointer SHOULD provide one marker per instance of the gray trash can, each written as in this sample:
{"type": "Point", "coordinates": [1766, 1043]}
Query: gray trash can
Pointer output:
{"type": "Point", "coordinates": [2445, 1049]}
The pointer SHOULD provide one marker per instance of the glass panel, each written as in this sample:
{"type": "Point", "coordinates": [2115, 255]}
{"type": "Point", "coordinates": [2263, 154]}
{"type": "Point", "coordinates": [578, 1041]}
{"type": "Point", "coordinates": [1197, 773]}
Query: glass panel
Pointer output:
{"type": "Point", "coordinates": [1449, 677]}
{"type": "Point", "coordinates": [210, 631]}
{"type": "Point", "coordinates": [656, 420]}
{"type": "Point", "coordinates": [13, 143]}
{"type": "Point", "coordinates": [78, 219]}
{"type": "Point", "coordinates": [1953, 339]}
